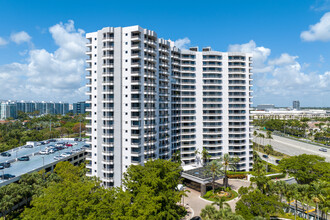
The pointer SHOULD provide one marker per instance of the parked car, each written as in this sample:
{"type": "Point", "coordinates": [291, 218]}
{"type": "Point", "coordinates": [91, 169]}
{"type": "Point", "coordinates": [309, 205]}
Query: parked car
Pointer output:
{"type": "Point", "coordinates": [69, 145]}
{"type": "Point", "coordinates": [52, 140]}
{"type": "Point", "coordinates": [43, 152]}
{"type": "Point", "coordinates": [74, 143]}
{"type": "Point", "coordinates": [277, 161]}
{"type": "Point", "coordinates": [49, 147]}
{"type": "Point", "coordinates": [1, 167]}
{"type": "Point", "coordinates": [28, 146]}
{"type": "Point", "coordinates": [58, 157]}
{"type": "Point", "coordinates": [76, 150]}
{"type": "Point", "coordinates": [53, 150]}
{"type": "Point", "coordinates": [66, 154]}
{"type": "Point", "coordinates": [59, 148]}
{"type": "Point", "coordinates": [265, 156]}
{"type": "Point", "coordinates": [7, 176]}
{"type": "Point", "coordinates": [5, 164]}
{"type": "Point", "coordinates": [86, 146]}
{"type": "Point", "coordinates": [24, 158]}
{"type": "Point", "coordinates": [5, 154]}
{"type": "Point", "coordinates": [59, 144]}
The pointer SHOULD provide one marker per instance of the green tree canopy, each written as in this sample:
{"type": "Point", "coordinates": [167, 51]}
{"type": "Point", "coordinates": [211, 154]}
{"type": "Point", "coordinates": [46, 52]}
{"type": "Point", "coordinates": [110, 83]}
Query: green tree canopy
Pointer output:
{"type": "Point", "coordinates": [306, 168]}
{"type": "Point", "coordinates": [258, 204]}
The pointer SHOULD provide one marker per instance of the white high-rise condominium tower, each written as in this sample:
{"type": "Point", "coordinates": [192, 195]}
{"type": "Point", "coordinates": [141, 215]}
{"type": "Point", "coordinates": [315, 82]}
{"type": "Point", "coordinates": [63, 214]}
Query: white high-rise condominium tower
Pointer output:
{"type": "Point", "coordinates": [150, 100]}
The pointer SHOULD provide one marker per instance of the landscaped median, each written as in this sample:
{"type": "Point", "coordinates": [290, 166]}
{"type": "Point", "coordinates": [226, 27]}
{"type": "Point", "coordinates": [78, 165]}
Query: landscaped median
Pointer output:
{"type": "Point", "coordinates": [228, 194]}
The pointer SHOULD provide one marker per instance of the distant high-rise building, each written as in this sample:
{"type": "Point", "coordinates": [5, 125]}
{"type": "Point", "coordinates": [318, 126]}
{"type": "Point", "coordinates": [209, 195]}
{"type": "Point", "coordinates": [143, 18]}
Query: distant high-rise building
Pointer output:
{"type": "Point", "coordinates": [80, 107]}
{"type": "Point", "coordinates": [8, 110]}
{"type": "Point", "coordinates": [150, 100]}
{"type": "Point", "coordinates": [12, 108]}
{"type": "Point", "coordinates": [296, 105]}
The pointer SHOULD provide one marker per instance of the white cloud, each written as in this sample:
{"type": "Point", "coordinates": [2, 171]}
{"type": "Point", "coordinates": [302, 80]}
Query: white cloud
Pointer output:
{"type": "Point", "coordinates": [20, 37]}
{"type": "Point", "coordinates": [3, 41]}
{"type": "Point", "coordinates": [57, 75]}
{"type": "Point", "coordinates": [319, 31]}
{"type": "Point", "coordinates": [284, 59]}
{"type": "Point", "coordinates": [281, 79]}
{"type": "Point", "coordinates": [182, 43]}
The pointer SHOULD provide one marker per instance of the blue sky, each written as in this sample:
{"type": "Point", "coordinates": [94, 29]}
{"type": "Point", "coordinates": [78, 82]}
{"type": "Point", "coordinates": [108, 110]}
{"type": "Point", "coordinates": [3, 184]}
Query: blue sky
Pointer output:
{"type": "Point", "coordinates": [289, 65]}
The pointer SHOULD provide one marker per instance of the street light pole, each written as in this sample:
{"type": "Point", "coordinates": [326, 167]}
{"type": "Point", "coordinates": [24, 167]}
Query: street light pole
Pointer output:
{"type": "Point", "coordinates": [80, 131]}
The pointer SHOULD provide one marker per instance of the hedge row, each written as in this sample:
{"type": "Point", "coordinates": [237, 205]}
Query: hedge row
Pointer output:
{"type": "Point", "coordinates": [237, 176]}
{"type": "Point", "coordinates": [279, 176]}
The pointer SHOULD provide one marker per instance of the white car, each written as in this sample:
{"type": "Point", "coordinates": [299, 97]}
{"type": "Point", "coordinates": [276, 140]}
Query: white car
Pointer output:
{"type": "Point", "coordinates": [51, 151]}
{"type": "Point", "coordinates": [76, 150]}
{"type": "Point", "coordinates": [74, 143]}
{"type": "Point", "coordinates": [66, 154]}
{"type": "Point", "coordinates": [58, 157]}
{"type": "Point", "coordinates": [44, 152]}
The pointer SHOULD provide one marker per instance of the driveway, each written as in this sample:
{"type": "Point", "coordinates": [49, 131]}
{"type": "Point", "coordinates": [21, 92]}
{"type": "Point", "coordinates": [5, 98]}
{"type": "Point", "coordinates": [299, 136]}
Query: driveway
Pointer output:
{"type": "Point", "coordinates": [197, 203]}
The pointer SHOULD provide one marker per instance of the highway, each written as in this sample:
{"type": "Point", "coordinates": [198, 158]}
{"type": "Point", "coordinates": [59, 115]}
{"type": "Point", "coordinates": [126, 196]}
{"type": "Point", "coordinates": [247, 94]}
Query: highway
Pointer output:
{"type": "Point", "coordinates": [292, 147]}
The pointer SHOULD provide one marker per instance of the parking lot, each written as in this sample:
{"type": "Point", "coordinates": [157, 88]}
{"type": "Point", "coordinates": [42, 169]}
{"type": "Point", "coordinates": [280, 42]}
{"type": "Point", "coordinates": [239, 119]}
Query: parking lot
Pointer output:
{"type": "Point", "coordinates": [36, 160]}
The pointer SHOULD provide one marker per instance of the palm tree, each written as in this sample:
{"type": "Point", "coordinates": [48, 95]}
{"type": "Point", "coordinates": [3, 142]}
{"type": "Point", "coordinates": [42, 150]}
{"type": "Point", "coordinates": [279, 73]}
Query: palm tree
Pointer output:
{"type": "Point", "coordinates": [304, 197]}
{"type": "Point", "coordinates": [6, 203]}
{"type": "Point", "coordinates": [255, 134]}
{"type": "Point", "coordinates": [319, 194]}
{"type": "Point", "coordinates": [316, 201]}
{"type": "Point", "coordinates": [209, 212]}
{"type": "Point", "coordinates": [295, 196]}
{"type": "Point", "coordinates": [269, 136]}
{"type": "Point", "coordinates": [205, 156]}
{"type": "Point", "coordinates": [263, 138]}
{"type": "Point", "coordinates": [280, 188]}
{"type": "Point", "coordinates": [220, 202]}
{"type": "Point", "coordinates": [236, 160]}
{"type": "Point", "coordinates": [215, 169]}
{"type": "Point", "coordinates": [268, 150]}
{"type": "Point", "coordinates": [196, 155]}
{"type": "Point", "coordinates": [227, 162]}
{"type": "Point", "coordinates": [176, 157]}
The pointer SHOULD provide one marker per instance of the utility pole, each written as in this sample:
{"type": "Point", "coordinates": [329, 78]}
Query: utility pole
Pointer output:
{"type": "Point", "coordinates": [50, 128]}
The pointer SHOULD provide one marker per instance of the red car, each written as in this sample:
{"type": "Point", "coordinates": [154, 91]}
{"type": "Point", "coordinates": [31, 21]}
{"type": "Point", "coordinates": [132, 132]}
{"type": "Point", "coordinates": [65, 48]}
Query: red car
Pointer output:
{"type": "Point", "coordinates": [69, 145]}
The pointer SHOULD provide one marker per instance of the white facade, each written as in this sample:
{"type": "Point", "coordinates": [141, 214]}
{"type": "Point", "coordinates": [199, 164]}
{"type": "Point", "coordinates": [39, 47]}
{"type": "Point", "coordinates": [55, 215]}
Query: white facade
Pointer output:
{"type": "Point", "coordinates": [150, 99]}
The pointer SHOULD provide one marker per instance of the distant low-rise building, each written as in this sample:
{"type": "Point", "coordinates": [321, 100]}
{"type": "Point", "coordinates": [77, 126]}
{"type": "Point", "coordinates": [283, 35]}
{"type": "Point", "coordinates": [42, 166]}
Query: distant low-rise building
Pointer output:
{"type": "Point", "coordinates": [284, 114]}
{"type": "Point", "coordinates": [265, 106]}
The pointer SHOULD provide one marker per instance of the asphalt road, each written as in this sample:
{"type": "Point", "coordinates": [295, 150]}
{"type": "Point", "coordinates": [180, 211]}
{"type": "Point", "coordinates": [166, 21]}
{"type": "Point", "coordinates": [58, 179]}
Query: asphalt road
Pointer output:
{"type": "Point", "coordinates": [293, 147]}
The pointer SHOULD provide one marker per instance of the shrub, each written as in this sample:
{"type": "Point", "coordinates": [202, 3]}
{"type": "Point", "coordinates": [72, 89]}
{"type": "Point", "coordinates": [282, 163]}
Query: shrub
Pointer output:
{"type": "Point", "coordinates": [237, 176]}
{"type": "Point", "coordinates": [208, 194]}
